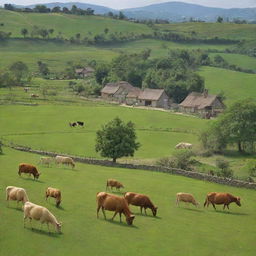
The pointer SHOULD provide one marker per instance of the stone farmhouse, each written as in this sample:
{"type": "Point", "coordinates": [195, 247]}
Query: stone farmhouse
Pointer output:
{"type": "Point", "coordinates": [203, 104]}
{"type": "Point", "coordinates": [123, 92]}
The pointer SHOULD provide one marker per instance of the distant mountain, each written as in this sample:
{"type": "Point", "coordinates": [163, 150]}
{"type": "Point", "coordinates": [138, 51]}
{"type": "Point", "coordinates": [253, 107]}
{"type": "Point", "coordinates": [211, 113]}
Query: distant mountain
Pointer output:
{"type": "Point", "coordinates": [177, 11]}
{"type": "Point", "coordinates": [97, 8]}
{"type": "Point", "coordinates": [173, 11]}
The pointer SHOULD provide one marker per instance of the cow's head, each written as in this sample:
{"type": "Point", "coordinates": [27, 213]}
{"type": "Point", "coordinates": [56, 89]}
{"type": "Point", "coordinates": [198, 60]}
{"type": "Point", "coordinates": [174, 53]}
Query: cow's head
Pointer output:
{"type": "Point", "coordinates": [37, 175]}
{"type": "Point", "coordinates": [154, 210]}
{"type": "Point", "coordinates": [58, 227]}
{"type": "Point", "coordinates": [238, 201]}
{"type": "Point", "coordinates": [130, 219]}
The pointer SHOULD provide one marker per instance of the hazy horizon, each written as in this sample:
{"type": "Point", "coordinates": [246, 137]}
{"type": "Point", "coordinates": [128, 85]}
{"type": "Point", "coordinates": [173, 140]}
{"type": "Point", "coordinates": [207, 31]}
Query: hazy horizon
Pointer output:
{"type": "Point", "coordinates": [121, 4]}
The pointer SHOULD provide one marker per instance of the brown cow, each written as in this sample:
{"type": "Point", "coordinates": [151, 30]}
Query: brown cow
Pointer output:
{"type": "Point", "coordinates": [221, 198]}
{"type": "Point", "coordinates": [28, 168]}
{"type": "Point", "coordinates": [114, 183]}
{"type": "Point", "coordinates": [186, 198]}
{"type": "Point", "coordinates": [55, 193]}
{"type": "Point", "coordinates": [140, 200]}
{"type": "Point", "coordinates": [114, 203]}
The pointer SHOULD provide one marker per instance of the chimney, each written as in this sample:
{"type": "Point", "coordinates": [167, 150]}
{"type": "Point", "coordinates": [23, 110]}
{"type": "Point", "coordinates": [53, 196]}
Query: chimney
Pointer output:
{"type": "Point", "coordinates": [205, 93]}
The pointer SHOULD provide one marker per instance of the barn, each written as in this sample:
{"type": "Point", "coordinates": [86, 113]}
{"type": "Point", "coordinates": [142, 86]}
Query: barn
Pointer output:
{"type": "Point", "coordinates": [203, 104]}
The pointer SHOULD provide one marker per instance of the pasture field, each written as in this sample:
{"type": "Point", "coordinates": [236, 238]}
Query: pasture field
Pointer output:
{"type": "Point", "coordinates": [235, 85]}
{"type": "Point", "coordinates": [210, 30]}
{"type": "Point", "coordinates": [67, 25]}
{"type": "Point", "coordinates": [183, 230]}
{"type": "Point", "coordinates": [56, 55]}
{"type": "Point", "coordinates": [239, 60]}
{"type": "Point", "coordinates": [45, 127]}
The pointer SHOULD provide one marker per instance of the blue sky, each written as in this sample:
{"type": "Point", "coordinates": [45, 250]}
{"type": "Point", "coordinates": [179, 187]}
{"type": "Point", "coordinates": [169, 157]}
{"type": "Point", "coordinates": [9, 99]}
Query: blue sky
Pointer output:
{"type": "Point", "coordinates": [119, 4]}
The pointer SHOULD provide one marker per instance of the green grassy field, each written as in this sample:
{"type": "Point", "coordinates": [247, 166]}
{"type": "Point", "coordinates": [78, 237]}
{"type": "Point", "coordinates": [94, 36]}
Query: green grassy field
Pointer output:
{"type": "Point", "coordinates": [235, 85]}
{"type": "Point", "coordinates": [210, 30]}
{"type": "Point", "coordinates": [45, 127]}
{"type": "Point", "coordinates": [184, 230]}
{"type": "Point", "coordinates": [239, 60]}
{"type": "Point", "coordinates": [68, 25]}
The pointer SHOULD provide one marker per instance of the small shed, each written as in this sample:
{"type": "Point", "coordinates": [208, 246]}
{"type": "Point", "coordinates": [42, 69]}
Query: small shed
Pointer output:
{"type": "Point", "coordinates": [153, 98]}
{"type": "Point", "coordinates": [204, 104]}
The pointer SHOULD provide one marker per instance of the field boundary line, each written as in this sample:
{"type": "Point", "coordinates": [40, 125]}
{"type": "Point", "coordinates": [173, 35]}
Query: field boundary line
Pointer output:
{"type": "Point", "coordinates": [175, 171]}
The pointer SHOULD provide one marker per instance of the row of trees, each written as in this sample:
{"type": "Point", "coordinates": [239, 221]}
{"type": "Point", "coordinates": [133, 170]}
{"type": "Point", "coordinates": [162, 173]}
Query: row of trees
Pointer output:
{"type": "Point", "coordinates": [44, 9]}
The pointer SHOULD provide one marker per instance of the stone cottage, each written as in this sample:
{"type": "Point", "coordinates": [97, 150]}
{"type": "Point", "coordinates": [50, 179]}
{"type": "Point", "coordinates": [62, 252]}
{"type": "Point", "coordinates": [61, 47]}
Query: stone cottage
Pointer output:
{"type": "Point", "coordinates": [204, 104]}
{"type": "Point", "coordinates": [153, 98]}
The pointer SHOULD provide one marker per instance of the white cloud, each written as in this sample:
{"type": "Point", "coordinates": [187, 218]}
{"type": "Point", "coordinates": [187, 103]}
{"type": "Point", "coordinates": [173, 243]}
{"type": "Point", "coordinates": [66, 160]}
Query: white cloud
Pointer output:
{"type": "Point", "coordinates": [119, 4]}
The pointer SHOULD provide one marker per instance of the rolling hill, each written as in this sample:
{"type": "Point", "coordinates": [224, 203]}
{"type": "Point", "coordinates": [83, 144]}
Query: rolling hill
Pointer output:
{"type": "Point", "coordinates": [177, 11]}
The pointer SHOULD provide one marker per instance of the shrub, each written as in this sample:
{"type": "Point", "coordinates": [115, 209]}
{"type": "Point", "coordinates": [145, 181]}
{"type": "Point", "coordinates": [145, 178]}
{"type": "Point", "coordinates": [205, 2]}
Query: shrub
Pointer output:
{"type": "Point", "coordinates": [224, 170]}
{"type": "Point", "coordinates": [251, 166]}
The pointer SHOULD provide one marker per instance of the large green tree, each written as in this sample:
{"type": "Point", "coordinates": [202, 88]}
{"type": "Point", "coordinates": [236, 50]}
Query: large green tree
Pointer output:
{"type": "Point", "coordinates": [117, 139]}
{"type": "Point", "coordinates": [20, 71]}
{"type": "Point", "coordinates": [236, 126]}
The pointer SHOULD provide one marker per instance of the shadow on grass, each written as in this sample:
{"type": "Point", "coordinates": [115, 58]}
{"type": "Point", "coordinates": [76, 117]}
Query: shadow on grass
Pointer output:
{"type": "Point", "coordinates": [118, 223]}
{"type": "Point", "coordinates": [43, 232]}
{"type": "Point", "coordinates": [147, 216]}
{"type": "Point", "coordinates": [231, 213]}
{"type": "Point", "coordinates": [31, 179]}
{"type": "Point", "coordinates": [192, 209]}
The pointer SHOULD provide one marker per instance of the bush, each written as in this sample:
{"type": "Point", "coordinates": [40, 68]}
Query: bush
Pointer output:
{"type": "Point", "coordinates": [181, 160]}
{"type": "Point", "coordinates": [251, 166]}
{"type": "Point", "coordinates": [224, 171]}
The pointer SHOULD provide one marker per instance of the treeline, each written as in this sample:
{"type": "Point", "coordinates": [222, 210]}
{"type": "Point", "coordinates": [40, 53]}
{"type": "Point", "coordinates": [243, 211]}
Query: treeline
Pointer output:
{"type": "Point", "coordinates": [175, 73]}
{"type": "Point", "coordinates": [43, 9]}
{"type": "Point", "coordinates": [180, 38]}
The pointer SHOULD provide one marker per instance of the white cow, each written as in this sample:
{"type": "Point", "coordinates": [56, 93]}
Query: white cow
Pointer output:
{"type": "Point", "coordinates": [183, 145]}
{"type": "Point", "coordinates": [65, 160]}
{"type": "Point", "coordinates": [42, 214]}
{"type": "Point", "coordinates": [46, 160]}
{"type": "Point", "coordinates": [16, 194]}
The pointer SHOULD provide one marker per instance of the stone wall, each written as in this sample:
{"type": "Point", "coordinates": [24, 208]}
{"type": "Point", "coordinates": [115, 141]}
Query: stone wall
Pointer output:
{"type": "Point", "coordinates": [190, 174]}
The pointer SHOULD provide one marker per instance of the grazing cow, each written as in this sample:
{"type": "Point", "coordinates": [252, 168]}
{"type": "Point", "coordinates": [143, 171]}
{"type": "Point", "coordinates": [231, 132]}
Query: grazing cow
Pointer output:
{"type": "Point", "coordinates": [114, 183]}
{"type": "Point", "coordinates": [140, 200]}
{"type": "Point", "coordinates": [29, 168]}
{"type": "Point", "coordinates": [37, 212]}
{"type": "Point", "coordinates": [46, 160]}
{"type": "Point", "coordinates": [73, 124]}
{"type": "Point", "coordinates": [26, 89]}
{"type": "Point", "coordinates": [183, 145]}
{"type": "Point", "coordinates": [187, 198]}
{"type": "Point", "coordinates": [221, 198]}
{"type": "Point", "coordinates": [64, 160]}
{"type": "Point", "coordinates": [16, 194]}
{"type": "Point", "coordinates": [55, 193]}
{"type": "Point", "coordinates": [80, 123]}
{"type": "Point", "coordinates": [33, 95]}
{"type": "Point", "coordinates": [114, 203]}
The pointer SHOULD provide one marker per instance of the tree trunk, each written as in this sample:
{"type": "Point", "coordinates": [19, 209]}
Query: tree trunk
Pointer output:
{"type": "Point", "coordinates": [114, 160]}
{"type": "Point", "coordinates": [240, 146]}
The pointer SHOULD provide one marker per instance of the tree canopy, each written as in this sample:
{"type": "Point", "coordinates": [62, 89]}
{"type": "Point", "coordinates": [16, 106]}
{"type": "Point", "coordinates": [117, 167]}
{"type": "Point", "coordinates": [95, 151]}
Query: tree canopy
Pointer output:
{"type": "Point", "coordinates": [236, 126]}
{"type": "Point", "coordinates": [117, 139]}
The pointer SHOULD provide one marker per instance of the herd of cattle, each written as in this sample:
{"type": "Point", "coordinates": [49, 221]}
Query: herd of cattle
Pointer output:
{"type": "Point", "coordinates": [105, 201]}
